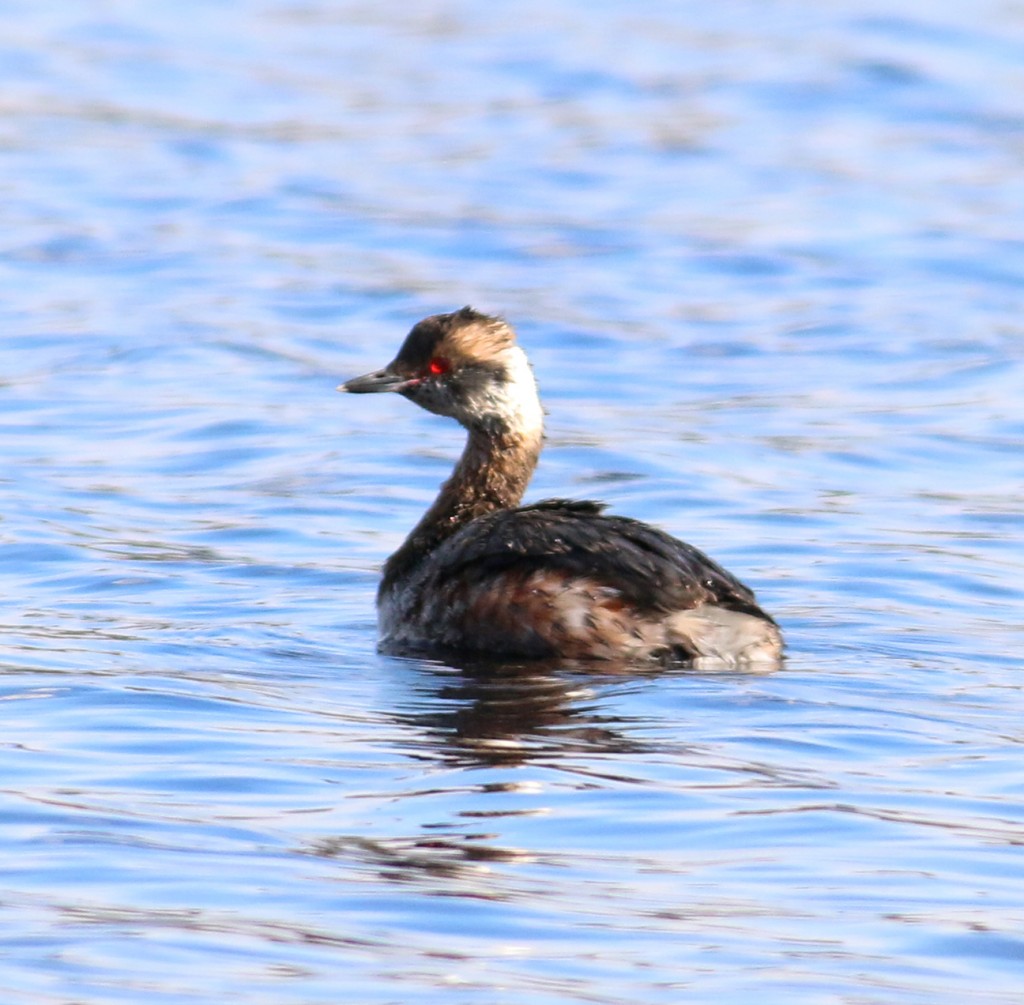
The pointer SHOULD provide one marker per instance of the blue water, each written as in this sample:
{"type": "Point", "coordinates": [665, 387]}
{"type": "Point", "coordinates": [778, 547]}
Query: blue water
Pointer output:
{"type": "Point", "coordinates": [767, 260]}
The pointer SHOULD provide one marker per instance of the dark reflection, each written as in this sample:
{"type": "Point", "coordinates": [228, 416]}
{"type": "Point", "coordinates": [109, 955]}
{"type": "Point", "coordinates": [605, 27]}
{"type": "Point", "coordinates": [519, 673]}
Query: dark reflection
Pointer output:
{"type": "Point", "coordinates": [490, 713]}
{"type": "Point", "coordinates": [493, 715]}
{"type": "Point", "coordinates": [562, 717]}
{"type": "Point", "coordinates": [454, 858]}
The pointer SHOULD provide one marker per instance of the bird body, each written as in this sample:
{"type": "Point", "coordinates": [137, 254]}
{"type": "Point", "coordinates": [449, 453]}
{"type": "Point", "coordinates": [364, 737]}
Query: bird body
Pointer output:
{"type": "Point", "coordinates": [557, 579]}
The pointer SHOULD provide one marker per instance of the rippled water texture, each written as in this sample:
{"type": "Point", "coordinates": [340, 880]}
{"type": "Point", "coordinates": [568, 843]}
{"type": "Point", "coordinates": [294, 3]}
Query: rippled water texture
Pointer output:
{"type": "Point", "coordinates": [768, 262]}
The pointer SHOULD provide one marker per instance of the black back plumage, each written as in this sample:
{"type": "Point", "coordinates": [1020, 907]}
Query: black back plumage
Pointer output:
{"type": "Point", "coordinates": [651, 570]}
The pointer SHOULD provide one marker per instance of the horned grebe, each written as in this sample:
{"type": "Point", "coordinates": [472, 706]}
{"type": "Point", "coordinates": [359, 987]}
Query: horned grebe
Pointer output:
{"type": "Point", "coordinates": [558, 579]}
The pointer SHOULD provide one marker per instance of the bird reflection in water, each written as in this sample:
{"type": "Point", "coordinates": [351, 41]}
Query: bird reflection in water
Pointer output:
{"type": "Point", "coordinates": [493, 715]}
{"type": "Point", "coordinates": [490, 713]}
{"type": "Point", "coordinates": [547, 716]}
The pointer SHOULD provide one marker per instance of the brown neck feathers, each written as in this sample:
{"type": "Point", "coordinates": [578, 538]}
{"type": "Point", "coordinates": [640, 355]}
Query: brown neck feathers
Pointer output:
{"type": "Point", "coordinates": [492, 474]}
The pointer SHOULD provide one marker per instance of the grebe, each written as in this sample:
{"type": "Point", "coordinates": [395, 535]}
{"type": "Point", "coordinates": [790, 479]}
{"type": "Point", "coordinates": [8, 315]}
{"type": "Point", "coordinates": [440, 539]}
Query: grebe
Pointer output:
{"type": "Point", "coordinates": [557, 579]}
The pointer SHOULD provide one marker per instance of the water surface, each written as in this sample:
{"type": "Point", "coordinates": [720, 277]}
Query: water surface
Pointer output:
{"type": "Point", "coordinates": [767, 262]}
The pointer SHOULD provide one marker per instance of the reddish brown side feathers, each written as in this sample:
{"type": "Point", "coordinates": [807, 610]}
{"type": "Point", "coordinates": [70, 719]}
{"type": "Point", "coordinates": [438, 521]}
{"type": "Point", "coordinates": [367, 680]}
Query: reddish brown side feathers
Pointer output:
{"type": "Point", "coordinates": [544, 613]}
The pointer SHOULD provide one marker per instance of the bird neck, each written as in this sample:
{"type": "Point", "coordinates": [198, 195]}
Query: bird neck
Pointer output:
{"type": "Point", "coordinates": [491, 475]}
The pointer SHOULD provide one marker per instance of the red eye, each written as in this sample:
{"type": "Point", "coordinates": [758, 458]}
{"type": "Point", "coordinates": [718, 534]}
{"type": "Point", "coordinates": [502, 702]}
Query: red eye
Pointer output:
{"type": "Point", "coordinates": [437, 366]}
